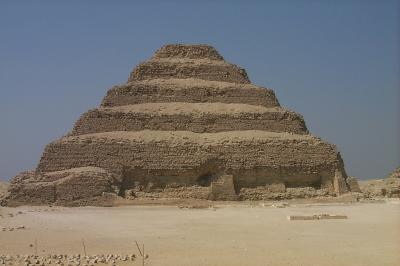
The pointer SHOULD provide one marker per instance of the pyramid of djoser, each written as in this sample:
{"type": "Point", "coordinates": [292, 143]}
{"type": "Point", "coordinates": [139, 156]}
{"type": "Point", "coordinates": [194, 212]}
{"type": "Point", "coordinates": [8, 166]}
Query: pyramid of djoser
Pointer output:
{"type": "Point", "coordinates": [187, 124]}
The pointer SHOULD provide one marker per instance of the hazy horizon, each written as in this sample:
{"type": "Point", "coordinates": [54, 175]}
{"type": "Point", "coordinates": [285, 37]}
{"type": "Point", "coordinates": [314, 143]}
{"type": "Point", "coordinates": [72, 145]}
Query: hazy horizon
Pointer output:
{"type": "Point", "coordinates": [337, 64]}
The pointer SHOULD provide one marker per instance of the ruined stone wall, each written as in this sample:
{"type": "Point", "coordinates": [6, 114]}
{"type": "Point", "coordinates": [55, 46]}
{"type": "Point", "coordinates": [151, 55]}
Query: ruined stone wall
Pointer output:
{"type": "Point", "coordinates": [60, 187]}
{"type": "Point", "coordinates": [105, 120]}
{"type": "Point", "coordinates": [264, 193]}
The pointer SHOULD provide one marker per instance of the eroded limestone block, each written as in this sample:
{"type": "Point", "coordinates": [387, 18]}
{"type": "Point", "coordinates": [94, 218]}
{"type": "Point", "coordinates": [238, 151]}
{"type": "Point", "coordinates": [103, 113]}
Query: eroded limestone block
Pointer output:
{"type": "Point", "coordinates": [222, 188]}
{"type": "Point", "coordinates": [31, 189]}
{"type": "Point", "coordinates": [60, 187]}
{"type": "Point", "coordinates": [339, 183]}
{"type": "Point", "coordinates": [84, 183]}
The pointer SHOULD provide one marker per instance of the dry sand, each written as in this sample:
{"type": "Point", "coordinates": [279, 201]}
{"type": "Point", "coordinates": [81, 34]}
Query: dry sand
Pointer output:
{"type": "Point", "coordinates": [232, 234]}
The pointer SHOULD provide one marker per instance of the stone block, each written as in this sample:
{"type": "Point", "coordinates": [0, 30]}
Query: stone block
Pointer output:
{"type": "Point", "coordinates": [223, 188]}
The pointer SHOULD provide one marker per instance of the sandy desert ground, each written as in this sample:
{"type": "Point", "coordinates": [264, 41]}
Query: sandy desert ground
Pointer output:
{"type": "Point", "coordinates": [229, 234]}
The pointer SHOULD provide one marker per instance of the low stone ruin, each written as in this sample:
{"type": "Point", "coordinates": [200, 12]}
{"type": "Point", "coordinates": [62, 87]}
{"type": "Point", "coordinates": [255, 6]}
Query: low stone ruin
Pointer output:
{"type": "Point", "coordinates": [63, 259]}
{"type": "Point", "coordinates": [388, 187]}
{"type": "Point", "coordinates": [187, 124]}
{"type": "Point", "coordinates": [324, 216]}
{"type": "Point", "coordinates": [395, 173]}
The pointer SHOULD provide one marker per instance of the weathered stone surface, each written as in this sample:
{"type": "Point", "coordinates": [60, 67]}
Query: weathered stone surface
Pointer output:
{"type": "Point", "coordinates": [27, 188]}
{"type": "Point", "coordinates": [268, 193]}
{"type": "Point", "coordinates": [189, 68]}
{"type": "Point", "coordinates": [156, 156]}
{"type": "Point", "coordinates": [190, 90]}
{"type": "Point", "coordinates": [195, 117]}
{"type": "Point", "coordinates": [199, 51]}
{"type": "Point", "coordinates": [387, 187]}
{"type": "Point", "coordinates": [339, 182]}
{"type": "Point", "coordinates": [395, 173]}
{"type": "Point", "coordinates": [3, 189]}
{"type": "Point", "coordinates": [60, 187]}
{"type": "Point", "coordinates": [223, 188]}
{"type": "Point", "coordinates": [186, 125]}
{"type": "Point", "coordinates": [179, 192]}
{"type": "Point", "coordinates": [155, 149]}
{"type": "Point", "coordinates": [86, 182]}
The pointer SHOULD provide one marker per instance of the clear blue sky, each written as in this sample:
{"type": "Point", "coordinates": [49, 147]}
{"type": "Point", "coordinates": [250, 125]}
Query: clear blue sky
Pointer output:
{"type": "Point", "coordinates": [335, 62]}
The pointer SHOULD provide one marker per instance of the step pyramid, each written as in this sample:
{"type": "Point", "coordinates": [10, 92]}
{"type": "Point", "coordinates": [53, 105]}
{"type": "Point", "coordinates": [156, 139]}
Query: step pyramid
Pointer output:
{"type": "Point", "coordinates": [185, 120]}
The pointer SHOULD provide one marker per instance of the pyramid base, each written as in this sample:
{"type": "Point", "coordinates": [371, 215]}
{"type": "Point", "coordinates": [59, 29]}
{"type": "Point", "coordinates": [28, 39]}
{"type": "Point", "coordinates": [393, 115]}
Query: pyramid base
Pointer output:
{"type": "Point", "coordinates": [182, 165]}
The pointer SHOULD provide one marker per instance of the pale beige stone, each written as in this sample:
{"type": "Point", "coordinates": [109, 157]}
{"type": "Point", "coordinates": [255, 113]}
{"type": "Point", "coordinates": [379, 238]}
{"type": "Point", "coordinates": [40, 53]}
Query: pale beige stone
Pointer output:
{"type": "Point", "coordinates": [187, 124]}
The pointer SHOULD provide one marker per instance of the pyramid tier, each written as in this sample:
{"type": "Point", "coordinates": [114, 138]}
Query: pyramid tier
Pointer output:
{"type": "Point", "coordinates": [189, 68]}
{"type": "Point", "coordinates": [165, 157]}
{"type": "Point", "coordinates": [195, 117]}
{"type": "Point", "coordinates": [198, 51]}
{"type": "Point", "coordinates": [188, 90]}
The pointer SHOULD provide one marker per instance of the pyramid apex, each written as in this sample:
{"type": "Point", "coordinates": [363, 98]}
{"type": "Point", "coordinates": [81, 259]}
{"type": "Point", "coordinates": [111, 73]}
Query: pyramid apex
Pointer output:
{"type": "Point", "coordinates": [191, 51]}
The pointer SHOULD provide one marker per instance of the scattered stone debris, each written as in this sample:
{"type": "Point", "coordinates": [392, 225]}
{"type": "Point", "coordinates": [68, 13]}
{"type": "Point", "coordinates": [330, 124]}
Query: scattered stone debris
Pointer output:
{"type": "Point", "coordinates": [316, 217]}
{"type": "Point", "coordinates": [182, 192]}
{"type": "Point", "coordinates": [19, 227]}
{"type": "Point", "coordinates": [381, 188]}
{"type": "Point", "coordinates": [266, 193]}
{"type": "Point", "coordinates": [185, 206]}
{"type": "Point", "coordinates": [62, 259]}
{"type": "Point", "coordinates": [195, 206]}
{"type": "Point", "coordinates": [280, 205]}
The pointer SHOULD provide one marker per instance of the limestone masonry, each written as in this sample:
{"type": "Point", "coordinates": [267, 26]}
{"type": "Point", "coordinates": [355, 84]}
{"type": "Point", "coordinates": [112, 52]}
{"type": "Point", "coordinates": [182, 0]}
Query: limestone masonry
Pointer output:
{"type": "Point", "coordinates": [187, 124]}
